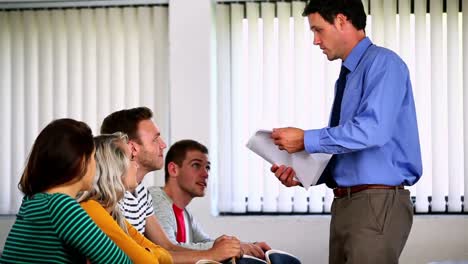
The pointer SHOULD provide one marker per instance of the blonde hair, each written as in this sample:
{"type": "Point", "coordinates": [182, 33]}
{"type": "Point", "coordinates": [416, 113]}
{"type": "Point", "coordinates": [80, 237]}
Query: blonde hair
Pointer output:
{"type": "Point", "coordinates": [111, 164]}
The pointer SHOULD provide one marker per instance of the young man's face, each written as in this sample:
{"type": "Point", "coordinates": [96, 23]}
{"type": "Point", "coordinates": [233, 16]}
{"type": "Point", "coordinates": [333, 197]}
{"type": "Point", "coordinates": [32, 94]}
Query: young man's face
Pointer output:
{"type": "Point", "coordinates": [149, 155]}
{"type": "Point", "coordinates": [192, 176]}
{"type": "Point", "coordinates": [326, 36]}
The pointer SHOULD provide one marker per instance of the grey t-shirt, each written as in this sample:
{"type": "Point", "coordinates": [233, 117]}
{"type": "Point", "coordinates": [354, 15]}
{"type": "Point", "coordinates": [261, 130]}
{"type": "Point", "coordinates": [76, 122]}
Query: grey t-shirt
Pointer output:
{"type": "Point", "coordinates": [162, 204]}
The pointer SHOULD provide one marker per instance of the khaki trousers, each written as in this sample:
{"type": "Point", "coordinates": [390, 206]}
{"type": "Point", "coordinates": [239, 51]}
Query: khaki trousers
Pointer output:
{"type": "Point", "coordinates": [370, 226]}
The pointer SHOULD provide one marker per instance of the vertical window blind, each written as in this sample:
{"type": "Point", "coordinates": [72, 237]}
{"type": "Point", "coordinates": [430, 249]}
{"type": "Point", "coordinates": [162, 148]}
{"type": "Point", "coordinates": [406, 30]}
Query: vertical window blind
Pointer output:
{"type": "Point", "coordinates": [271, 75]}
{"type": "Point", "coordinates": [81, 63]}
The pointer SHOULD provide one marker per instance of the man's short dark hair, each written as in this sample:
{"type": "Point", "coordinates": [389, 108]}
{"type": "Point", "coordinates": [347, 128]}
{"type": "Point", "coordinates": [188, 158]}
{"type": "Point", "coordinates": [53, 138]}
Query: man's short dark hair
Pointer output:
{"type": "Point", "coordinates": [328, 9]}
{"type": "Point", "coordinates": [177, 152]}
{"type": "Point", "coordinates": [126, 121]}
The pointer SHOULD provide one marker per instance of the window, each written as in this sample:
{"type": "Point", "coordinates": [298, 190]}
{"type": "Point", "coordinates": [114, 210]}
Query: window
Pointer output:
{"type": "Point", "coordinates": [271, 75]}
{"type": "Point", "coordinates": [81, 63]}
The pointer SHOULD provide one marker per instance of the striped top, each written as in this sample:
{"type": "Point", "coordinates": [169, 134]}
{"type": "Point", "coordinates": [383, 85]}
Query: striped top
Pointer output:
{"type": "Point", "coordinates": [137, 206]}
{"type": "Point", "coordinates": [53, 228]}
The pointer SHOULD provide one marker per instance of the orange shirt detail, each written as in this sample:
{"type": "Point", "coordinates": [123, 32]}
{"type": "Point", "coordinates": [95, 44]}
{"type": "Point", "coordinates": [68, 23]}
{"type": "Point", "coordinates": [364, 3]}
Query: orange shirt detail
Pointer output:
{"type": "Point", "coordinates": [135, 245]}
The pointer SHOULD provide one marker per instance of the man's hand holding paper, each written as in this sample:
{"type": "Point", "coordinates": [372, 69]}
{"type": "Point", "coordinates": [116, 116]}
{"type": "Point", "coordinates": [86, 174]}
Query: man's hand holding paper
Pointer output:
{"type": "Point", "coordinates": [290, 139]}
{"type": "Point", "coordinates": [286, 175]}
{"type": "Point", "coordinates": [293, 168]}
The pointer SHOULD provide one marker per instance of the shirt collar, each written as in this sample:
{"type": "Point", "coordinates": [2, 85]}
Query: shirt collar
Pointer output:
{"type": "Point", "coordinates": [356, 54]}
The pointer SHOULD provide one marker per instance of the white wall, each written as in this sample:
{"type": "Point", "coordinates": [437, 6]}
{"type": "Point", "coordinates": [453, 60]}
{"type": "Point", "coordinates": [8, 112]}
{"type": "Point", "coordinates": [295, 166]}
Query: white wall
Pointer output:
{"type": "Point", "coordinates": [192, 86]}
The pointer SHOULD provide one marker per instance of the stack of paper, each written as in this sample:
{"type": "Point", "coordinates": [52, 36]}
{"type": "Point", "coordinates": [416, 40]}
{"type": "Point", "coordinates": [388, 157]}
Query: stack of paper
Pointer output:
{"type": "Point", "coordinates": [308, 167]}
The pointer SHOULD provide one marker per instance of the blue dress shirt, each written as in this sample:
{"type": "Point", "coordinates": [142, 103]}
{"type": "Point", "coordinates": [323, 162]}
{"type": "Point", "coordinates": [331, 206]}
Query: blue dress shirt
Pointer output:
{"type": "Point", "coordinates": [376, 141]}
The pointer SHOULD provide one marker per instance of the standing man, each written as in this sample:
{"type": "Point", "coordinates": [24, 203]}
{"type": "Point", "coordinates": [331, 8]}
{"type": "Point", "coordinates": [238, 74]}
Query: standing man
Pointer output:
{"type": "Point", "coordinates": [187, 170]}
{"type": "Point", "coordinates": [147, 146]}
{"type": "Point", "coordinates": [372, 133]}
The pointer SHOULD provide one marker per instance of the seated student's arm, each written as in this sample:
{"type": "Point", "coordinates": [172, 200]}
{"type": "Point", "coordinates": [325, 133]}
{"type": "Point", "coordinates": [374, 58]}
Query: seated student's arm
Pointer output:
{"type": "Point", "coordinates": [133, 244]}
{"type": "Point", "coordinates": [155, 233]}
{"type": "Point", "coordinates": [256, 249]}
{"type": "Point", "coordinates": [166, 219]}
{"type": "Point", "coordinates": [223, 248]}
{"type": "Point", "coordinates": [199, 237]}
{"type": "Point", "coordinates": [163, 255]}
{"type": "Point", "coordinates": [158, 228]}
{"type": "Point", "coordinates": [77, 230]}
{"type": "Point", "coordinates": [161, 225]}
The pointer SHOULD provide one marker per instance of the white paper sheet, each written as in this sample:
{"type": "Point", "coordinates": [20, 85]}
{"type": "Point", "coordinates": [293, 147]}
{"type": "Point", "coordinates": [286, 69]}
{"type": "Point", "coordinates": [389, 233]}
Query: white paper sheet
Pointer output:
{"type": "Point", "coordinates": [308, 167]}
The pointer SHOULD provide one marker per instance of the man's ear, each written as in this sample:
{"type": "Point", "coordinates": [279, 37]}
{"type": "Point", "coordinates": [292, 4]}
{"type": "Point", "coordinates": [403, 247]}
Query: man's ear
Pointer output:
{"type": "Point", "coordinates": [134, 148]}
{"type": "Point", "coordinates": [172, 169]}
{"type": "Point", "coordinates": [340, 21]}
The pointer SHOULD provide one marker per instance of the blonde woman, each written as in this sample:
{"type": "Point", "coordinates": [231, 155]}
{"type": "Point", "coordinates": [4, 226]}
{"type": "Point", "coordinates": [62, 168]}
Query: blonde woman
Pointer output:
{"type": "Point", "coordinates": [116, 173]}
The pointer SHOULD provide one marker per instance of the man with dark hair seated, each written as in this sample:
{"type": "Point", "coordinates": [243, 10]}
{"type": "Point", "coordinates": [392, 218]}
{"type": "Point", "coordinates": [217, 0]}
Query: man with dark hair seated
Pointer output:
{"type": "Point", "coordinates": [187, 168]}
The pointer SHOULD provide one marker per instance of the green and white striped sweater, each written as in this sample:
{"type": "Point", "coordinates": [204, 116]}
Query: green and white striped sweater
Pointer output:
{"type": "Point", "coordinates": [53, 228]}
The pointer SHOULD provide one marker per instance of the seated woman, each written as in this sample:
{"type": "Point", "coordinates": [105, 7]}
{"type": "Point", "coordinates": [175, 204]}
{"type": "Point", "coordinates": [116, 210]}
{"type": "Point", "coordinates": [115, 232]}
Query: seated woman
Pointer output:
{"type": "Point", "coordinates": [50, 226]}
{"type": "Point", "coordinates": [115, 173]}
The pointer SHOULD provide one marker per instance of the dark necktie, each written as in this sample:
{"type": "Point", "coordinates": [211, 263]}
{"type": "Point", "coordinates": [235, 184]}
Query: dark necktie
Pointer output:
{"type": "Point", "coordinates": [326, 176]}
{"type": "Point", "coordinates": [340, 86]}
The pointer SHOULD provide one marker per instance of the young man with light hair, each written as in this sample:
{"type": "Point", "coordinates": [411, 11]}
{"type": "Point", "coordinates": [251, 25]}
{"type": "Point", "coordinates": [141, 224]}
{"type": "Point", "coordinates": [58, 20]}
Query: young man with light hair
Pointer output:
{"type": "Point", "coordinates": [147, 149]}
